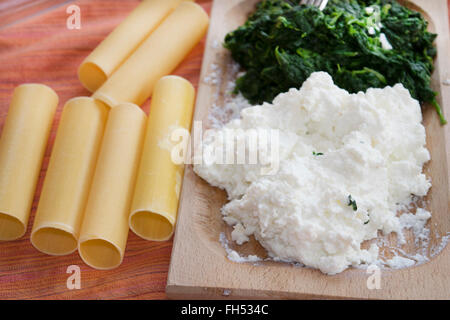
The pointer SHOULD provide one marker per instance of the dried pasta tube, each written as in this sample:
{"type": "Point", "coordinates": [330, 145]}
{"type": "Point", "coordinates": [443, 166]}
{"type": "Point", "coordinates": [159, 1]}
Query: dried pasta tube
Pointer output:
{"type": "Point", "coordinates": [104, 231]}
{"type": "Point", "coordinates": [22, 148]}
{"type": "Point", "coordinates": [123, 41]}
{"type": "Point", "coordinates": [155, 202]}
{"type": "Point", "coordinates": [69, 175]}
{"type": "Point", "coordinates": [157, 56]}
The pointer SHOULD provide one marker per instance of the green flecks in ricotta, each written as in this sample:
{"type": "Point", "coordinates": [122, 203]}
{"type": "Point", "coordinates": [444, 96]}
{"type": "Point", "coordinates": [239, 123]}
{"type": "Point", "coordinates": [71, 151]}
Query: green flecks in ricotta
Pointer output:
{"type": "Point", "coordinates": [372, 147]}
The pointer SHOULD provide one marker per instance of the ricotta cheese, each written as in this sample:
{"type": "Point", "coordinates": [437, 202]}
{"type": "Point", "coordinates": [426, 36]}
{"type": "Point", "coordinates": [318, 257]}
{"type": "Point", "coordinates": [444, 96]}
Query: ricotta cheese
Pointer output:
{"type": "Point", "coordinates": [346, 164]}
{"type": "Point", "coordinates": [385, 44]}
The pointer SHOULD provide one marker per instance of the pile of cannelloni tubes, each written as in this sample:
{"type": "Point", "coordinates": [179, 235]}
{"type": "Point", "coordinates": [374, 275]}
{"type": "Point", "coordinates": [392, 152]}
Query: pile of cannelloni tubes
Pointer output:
{"type": "Point", "coordinates": [108, 171]}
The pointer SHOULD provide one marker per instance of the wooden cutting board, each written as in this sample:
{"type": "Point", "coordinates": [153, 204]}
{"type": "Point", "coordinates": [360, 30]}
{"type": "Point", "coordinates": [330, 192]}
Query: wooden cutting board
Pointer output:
{"type": "Point", "coordinates": [36, 46]}
{"type": "Point", "coordinates": [199, 267]}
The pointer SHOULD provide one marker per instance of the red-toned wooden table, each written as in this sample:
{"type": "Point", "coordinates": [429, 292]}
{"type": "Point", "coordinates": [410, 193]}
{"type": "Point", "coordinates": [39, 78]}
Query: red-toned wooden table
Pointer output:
{"type": "Point", "coordinates": [41, 49]}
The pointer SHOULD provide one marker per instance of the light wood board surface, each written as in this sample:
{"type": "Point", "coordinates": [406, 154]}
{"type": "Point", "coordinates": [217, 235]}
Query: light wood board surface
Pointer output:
{"type": "Point", "coordinates": [199, 267]}
{"type": "Point", "coordinates": [36, 46]}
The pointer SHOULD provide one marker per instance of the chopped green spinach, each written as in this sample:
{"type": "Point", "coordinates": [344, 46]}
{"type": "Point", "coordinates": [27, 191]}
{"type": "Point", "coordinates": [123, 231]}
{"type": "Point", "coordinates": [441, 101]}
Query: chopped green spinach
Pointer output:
{"type": "Point", "coordinates": [283, 42]}
{"type": "Point", "coordinates": [352, 203]}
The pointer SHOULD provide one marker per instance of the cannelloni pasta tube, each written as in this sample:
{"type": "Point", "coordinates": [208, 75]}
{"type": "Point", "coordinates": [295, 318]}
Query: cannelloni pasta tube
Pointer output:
{"type": "Point", "coordinates": [104, 231]}
{"type": "Point", "coordinates": [155, 201]}
{"type": "Point", "coordinates": [122, 41]}
{"type": "Point", "coordinates": [157, 56]}
{"type": "Point", "coordinates": [69, 175]}
{"type": "Point", "coordinates": [22, 148]}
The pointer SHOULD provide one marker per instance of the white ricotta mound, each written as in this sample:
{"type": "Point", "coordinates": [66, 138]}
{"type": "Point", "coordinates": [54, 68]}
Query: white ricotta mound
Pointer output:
{"type": "Point", "coordinates": [373, 147]}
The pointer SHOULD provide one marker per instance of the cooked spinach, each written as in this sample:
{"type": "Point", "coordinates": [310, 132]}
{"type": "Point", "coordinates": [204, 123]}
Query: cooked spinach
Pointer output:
{"type": "Point", "coordinates": [352, 203]}
{"type": "Point", "coordinates": [282, 43]}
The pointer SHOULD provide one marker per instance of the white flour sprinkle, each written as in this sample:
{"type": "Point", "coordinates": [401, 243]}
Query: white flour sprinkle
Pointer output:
{"type": "Point", "coordinates": [398, 262]}
{"type": "Point", "coordinates": [226, 292]}
{"type": "Point", "coordinates": [234, 255]}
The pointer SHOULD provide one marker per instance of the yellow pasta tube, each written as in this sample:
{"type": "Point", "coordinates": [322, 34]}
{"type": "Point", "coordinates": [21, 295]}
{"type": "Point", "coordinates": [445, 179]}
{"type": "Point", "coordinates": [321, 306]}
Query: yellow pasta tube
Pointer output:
{"type": "Point", "coordinates": [155, 202]}
{"type": "Point", "coordinates": [157, 56]}
{"type": "Point", "coordinates": [123, 41]}
{"type": "Point", "coordinates": [69, 175]}
{"type": "Point", "coordinates": [22, 148]}
{"type": "Point", "coordinates": [104, 231]}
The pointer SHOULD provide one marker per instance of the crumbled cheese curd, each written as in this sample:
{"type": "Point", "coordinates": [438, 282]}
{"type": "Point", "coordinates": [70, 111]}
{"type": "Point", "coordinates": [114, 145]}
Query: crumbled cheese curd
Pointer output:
{"type": "Point", "coordinates": [370, 146]}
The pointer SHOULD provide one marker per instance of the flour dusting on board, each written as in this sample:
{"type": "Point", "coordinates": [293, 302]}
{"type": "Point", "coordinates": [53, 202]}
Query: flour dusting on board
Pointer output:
{"type": "Point", "coordinates": [228, 106]}
{"type": "Point", "coordinates": [233, 255]}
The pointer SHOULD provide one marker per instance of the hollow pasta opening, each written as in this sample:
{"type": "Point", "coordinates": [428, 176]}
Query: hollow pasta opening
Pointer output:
{"type": "Point", "coordinates": [151, 226]}
{"type": "Point", "coordinates": [100, 254]}
{"type": "Point", "coordinates": [54, 241]}
{"type": "Point", "coordinates": [11, 228]}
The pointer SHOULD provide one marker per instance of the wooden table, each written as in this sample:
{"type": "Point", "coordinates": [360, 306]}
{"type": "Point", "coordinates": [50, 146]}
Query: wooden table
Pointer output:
{"type": "Point", "coordinates": [41, 49]}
